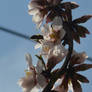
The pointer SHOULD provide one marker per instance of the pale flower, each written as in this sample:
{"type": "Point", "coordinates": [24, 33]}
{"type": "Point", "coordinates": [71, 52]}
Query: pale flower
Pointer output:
{"type": "Point", "coordinates": [56, 55]}
{"type": "Point", "coordinates": [58, 51]}
{"type": "Point", "coordinates": [27, 83]}
{"type": "Point", "coordinates": [29, 60]}
{"type": "Point", "coordinates": [37, 16]}
{"type": "Point", "coordinates": [80, 57]}
{"type": "Point", "coordinates": [33, 77]}
{"type": "Point", "coordinates": [57, 24]}
{"type": "Point", "coordinates": [52, 36]}
{"type": "Point", "coordinates": [54, 32]}
{"type": "Point", "coordinates": [45, 30]}
{"type": "Point", "coordinates": [49, 49]}
{"type": "Point", "coordinates": [45, 47]}
{"type": "Point", "coordinates": [41, 9]}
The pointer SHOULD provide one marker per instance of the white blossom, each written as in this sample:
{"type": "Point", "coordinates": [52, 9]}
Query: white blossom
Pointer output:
{"type": "Point", "coordinates": [54, 32]}
{"type": "Point", "coordinates": [82, 56]}
{"type": "Point", "coordinates": [29, 60]}
{"type": "Point", "coordinates": [33, 77]}
{"type": "Point", "coordinates": [45, 47]}
{"type": "Point", "coordinates": [57, 24]}
{"type": "Point", "coordinates": [58, 51]}
{"type": "Point", "coordinates": [37, 16]}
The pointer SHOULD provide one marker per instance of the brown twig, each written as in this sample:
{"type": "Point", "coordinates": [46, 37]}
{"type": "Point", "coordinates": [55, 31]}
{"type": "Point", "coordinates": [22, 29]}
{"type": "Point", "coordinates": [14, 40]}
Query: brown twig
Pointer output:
{"type": "Point", "coordinates": [61, 71]}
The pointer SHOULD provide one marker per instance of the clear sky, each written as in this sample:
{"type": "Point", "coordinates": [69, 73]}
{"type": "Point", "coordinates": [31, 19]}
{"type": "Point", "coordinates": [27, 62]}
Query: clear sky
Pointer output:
{"type": "Point", "coordinates": [14, 15]}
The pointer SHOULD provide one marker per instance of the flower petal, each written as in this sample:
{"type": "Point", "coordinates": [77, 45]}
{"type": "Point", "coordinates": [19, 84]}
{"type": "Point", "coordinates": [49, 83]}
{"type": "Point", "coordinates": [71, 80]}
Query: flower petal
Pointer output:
{"type": "Point", "coordinates": [35, 3]}
{"type": "Point", "coordinates": [76, 86]}
{"type": "Point", "coordinates": [33, 11]}
{"type": "Point", "coordinates": [52, 61]}
{"type": "Point", "coordinates": [82, 31]}
{"type": "Point", "coordinates": [29, 60]}
{"type": "Point", "coordinates": [46, 46]}
{"type": "Point", "coordinates": [78, 58]}
{"type": "Point", "coordinates": [72, 5]}
{"type": "Point", "coordinates": [54, 2]}
{"type": "Point", "coordinates": [82, 67]}
{"type": "Point", "coordinates": [82, 19]}
{"type": "Point", "coordinates": [45, 29]}
{"type": "Point", "coordinates": [59, 89]}
{"type": "Point", "coordinates": [37, 18]}
{"type": "Point", "coordinates": [57, 25]}
{"type": "Point", "coordinates": [56, 55]}
{"type": "Point", "coordinates": [40, 66]}
{"type": "Point", "coordinates": [35, 89]}
{"type": "Point", "coordinates": [27, 83]}
{"type": "Point", "coordinates": [57, 21]}
{"type": "Point", "coordinates": [38, 45]}
{"type": "Point", "coordinates": [81, 78]}
{"type": "Point", "coordinates": [41, 80]}
{"type": "Point", "coordinates": [59, 51]}
{"type": "Point", "coordinates": [76, 36]}
{"type": "Point", "coordinates": [64, 84]}
{"type": "Point", "coordinates": [50, 17]}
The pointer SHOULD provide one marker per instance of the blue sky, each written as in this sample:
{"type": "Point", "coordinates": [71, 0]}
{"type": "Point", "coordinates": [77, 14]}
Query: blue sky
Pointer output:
{"type": "Point", "coordinates": [14, 15]}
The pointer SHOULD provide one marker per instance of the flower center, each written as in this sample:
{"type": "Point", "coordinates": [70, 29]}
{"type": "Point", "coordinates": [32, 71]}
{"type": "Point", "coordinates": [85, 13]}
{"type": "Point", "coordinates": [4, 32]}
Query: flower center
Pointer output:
{"type": "Point", "coordinates": [55, 35]}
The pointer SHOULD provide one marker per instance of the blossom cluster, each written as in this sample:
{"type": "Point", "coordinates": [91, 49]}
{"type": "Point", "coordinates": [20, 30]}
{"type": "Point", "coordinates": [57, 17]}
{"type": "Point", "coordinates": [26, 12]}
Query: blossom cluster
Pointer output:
{"type": "Point", "coordinates": [57, 29]}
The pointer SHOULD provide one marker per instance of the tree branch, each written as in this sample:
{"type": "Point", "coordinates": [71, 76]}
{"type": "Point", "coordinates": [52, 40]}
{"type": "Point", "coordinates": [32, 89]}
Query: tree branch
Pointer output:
{"type": "Point", "coordinates": [61, 71]}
